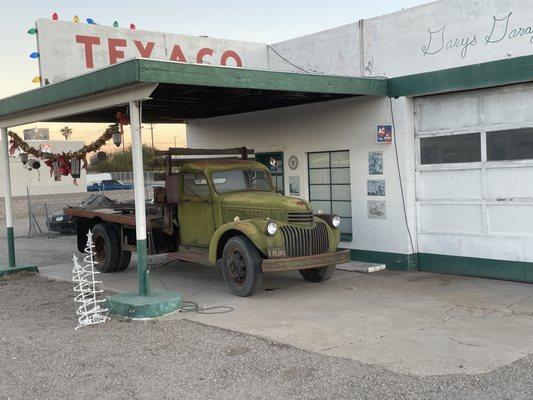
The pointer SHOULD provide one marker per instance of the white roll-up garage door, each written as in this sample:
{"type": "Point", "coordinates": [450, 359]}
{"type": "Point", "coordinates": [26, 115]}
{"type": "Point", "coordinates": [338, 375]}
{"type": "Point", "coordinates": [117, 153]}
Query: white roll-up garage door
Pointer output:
{"type": "Point", "coordinates": [474, 154]}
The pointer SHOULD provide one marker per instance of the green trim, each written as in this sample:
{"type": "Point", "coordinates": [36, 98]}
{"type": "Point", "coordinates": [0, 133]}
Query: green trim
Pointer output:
{"type": "Point", "coordinates": [154, 71]}
{"type": "Point", "coordinates": [11, 247]}
{"type": "Point", "coordinates": [393, 261]}
{"type": "Point", "coordinates": [142, 272]}
{"type": "Point", "coordinates": [479, 267]}
{"type": "Point", "coordinates": [242, 78]}
{"type": "Point", "coordinates": [114, 77]}
{"type": "Point", "coordinates": [4, 271]}
{"type": "Point", "coordinates": [131, 305]}
{"type": "Point", "coordinates": [477, 76]}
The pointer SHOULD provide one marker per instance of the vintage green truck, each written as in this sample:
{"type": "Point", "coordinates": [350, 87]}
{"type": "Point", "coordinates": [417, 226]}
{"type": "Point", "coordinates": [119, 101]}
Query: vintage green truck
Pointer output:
{"type": "Point", "coordinates": [224, 212]}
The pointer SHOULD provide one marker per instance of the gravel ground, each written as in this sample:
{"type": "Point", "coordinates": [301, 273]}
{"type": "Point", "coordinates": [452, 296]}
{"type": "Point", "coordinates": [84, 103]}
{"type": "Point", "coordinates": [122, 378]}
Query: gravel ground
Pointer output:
{"type": "Point", "coordinates": [42, 357]}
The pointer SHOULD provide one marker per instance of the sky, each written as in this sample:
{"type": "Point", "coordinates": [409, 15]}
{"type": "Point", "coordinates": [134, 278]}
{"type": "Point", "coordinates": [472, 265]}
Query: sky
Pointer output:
{"type": "Point", "coordinates": [249, 20]}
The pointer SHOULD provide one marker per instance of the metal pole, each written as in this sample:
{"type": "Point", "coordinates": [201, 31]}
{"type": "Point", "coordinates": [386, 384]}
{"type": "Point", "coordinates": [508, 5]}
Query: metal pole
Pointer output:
{"type": "Point", "coordinates": [7, 199]}
{"type": "Point", "coordinates": [153, 147]}
{"type": "Point", "coordinates": [138, 185]}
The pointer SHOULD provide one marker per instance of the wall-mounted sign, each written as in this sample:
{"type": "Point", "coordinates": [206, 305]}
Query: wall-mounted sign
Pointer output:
{"type": "Point", "coordinates": [293, 162]}
{"type": "Point", "coordinates": [384, 134]}
{"type": "Point", "coordinates": [294, 185]}
{"type": "Point", "coordinates": [375, 163]}
{"type": "Point", "coordinates": [67, 49]}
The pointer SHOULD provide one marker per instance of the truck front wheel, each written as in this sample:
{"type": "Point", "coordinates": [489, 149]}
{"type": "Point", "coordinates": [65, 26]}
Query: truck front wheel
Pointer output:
{"type": "Point", "coordinates": [106, 247]}
{"type": "Point", "coordinates": [241, 266]}
{"type": "Point", "coordinates": [317, 275]}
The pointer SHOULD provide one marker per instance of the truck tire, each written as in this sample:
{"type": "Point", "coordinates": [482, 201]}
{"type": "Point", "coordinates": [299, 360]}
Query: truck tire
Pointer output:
{"type": "Point", "coordinates": [317, 275]}
{"type": "Point", "coordinates": [241, 266]}
{"type": "Point", "coordinates": [106, 247]}
{"type": "Point", "coordinates": [124, 255]}
{"type": "Point", "coordinates": [123, 261]}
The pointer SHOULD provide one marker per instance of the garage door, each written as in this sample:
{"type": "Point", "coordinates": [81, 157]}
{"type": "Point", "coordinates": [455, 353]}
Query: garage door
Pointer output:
{"type": "Point", "coordinates": [475, 182]}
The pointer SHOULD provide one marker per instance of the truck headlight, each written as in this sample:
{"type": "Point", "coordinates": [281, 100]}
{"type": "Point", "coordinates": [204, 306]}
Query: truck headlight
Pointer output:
{"type": "Point", "coordinates": [272, 228]}
{"type": "Point", "coordinates": [336, 221]}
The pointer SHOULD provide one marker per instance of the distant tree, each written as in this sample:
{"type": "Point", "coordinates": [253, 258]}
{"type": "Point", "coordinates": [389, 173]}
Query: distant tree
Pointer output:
{"type": "Point", "coordinates": [66, 132]}
{"type": "Point", "coordinates": [120, 161]}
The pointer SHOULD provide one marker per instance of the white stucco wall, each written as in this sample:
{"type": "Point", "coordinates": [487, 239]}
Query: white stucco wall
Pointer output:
{"type": "Point", "coordinates": [336, 125]}
{"type": "Point", "coordinates": [334, 51]}
{"type": "Point", "coordinates": [461, 33]}
{"type": "Point", "coordinates": [40, 182]}
{"type": "Point", "coordinates": [438, 35]}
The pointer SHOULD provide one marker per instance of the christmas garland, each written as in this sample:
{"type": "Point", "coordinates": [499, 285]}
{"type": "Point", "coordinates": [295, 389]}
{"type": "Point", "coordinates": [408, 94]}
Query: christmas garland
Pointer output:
{"type": "Point", "coordinates": [61, 163]}
{"type": "Point", "coordinates": [17, 142]}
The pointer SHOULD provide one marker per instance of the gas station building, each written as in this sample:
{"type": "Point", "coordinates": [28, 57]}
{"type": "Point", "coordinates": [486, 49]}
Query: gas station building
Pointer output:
{"type": "Point", "coordinates": [415, 127]}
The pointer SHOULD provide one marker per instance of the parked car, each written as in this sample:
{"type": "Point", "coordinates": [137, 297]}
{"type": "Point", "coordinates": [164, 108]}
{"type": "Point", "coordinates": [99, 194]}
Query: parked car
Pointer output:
{"type": "Point", "coordinates": [108, 184]}
{"type": "Point", "coordinates": [61, 222]}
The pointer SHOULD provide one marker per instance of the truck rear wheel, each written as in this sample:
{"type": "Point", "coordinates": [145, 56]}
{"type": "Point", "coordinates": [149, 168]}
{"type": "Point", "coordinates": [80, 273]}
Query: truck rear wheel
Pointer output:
{"type": "Point", "coordinates": [106, 247]}
{"type": "Point", "coordinates": [124, 255]}
{"type": "Point", "coordinates": [241, 266]}
{"type": "Point", "coordinates": [317, 275]}
{"type": "Point", "coordinates": [124, 260]}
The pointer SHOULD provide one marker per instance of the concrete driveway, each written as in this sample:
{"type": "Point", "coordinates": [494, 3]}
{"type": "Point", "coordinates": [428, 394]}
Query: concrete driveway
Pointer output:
{"type": "Point", "coordinates": [418, 323]}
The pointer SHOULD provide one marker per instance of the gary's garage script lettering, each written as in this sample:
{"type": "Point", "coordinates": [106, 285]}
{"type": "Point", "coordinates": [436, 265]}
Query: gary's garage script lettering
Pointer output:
{"type": "Point", "coordinates": [500, 29]}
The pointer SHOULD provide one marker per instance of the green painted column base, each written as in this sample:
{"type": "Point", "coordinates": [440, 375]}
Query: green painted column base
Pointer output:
{"type": "Point", "coordinates": [4, 271]}
{"type": "Point", "coordinates": [131, 305]}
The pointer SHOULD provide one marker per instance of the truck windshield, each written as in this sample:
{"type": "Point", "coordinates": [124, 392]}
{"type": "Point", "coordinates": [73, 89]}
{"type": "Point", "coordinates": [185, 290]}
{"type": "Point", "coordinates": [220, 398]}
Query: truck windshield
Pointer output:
{"type": "Point", "coordinates": [237, 180]}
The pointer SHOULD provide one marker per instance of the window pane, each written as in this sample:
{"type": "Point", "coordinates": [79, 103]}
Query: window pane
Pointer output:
{"type": "Point", "coordinates": [340, 159]}
{"type": "Point", "coordinates": [450, 149]}
{"type": "Point", "coordinates": [346, 225]}
{"type": "Point", "coordinates": [278, 181]}
{"type": "Point", "coordinates": [319, 192]}
{"type": "Point", "coordinates": [342, 208]}
{"type": "Point", "coordinates": [195, 185]}
{"type": "Point", "coordinates": [319, 176]}
{"type": "Point", "coordinates": [516, 144]}
{"type": "Point", "coordinates": [341, 175]}
{"type": "Point", "coordinates": [324, 206]}
{"type": "Point", "coordinates": [341, 192]}
{"type": "Point", "coordinates": [318, 160]}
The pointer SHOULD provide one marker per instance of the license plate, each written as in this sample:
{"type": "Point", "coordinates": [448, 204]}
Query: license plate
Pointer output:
{"type": "Point", "coordinates": [59, 219]}
{"type": "Point", "coordinates": [276, 253]}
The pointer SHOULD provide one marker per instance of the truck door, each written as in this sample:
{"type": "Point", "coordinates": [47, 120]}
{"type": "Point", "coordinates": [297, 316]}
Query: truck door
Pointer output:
{"type": "Point", "coordinates": [195, 210]}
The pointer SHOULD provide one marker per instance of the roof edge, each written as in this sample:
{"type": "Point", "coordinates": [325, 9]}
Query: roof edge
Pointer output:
{"type": "Point", "coordinates": [477, 76]}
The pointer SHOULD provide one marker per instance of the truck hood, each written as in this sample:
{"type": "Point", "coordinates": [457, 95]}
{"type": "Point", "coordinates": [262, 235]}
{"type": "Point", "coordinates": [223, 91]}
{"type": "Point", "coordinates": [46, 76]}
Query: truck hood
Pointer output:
{"type": "Point", "coordinates": [264, 201]}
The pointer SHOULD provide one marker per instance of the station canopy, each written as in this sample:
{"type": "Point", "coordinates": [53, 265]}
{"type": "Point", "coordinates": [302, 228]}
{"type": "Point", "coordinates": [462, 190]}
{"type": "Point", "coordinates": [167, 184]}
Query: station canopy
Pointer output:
{"type": "Point", "coordinates": [176, 92]}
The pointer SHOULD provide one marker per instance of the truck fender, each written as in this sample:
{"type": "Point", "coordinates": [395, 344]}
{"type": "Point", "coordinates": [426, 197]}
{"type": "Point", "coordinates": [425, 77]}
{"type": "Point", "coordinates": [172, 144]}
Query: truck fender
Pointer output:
{"type": "Point", "coordinates": [252, 229]}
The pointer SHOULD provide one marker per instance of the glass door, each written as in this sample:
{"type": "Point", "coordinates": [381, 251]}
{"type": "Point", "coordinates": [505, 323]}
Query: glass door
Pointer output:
{"type": "Point", "coordinates": [274, 162]}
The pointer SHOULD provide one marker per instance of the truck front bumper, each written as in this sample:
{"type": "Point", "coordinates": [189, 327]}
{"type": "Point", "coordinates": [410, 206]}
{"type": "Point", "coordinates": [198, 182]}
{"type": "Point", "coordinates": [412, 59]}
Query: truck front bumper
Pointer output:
{"type": "Point", "coordinates": [306, 262]}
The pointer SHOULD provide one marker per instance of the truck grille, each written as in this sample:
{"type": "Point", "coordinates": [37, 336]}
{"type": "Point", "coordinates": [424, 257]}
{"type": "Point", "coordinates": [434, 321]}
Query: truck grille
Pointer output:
{"type": "Point", "coordinates": [305, 242]}
{"type": "Point", "coordinates": [302, 218]}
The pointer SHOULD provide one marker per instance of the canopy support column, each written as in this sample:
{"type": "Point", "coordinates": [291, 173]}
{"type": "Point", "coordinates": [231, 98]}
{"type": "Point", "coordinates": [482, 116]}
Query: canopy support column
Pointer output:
{"type": "Point", "coordinates": [6, 172]}
{"type": "Point", "coordinates": [140, 200]}
{"type": "Point", "coordinates": [145, 303]}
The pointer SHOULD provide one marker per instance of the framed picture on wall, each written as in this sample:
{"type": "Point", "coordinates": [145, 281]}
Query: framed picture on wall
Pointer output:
{"type": "Point", "coordinates": [294, 185]}
{"type": "Point", "coordinates": [375, 163]}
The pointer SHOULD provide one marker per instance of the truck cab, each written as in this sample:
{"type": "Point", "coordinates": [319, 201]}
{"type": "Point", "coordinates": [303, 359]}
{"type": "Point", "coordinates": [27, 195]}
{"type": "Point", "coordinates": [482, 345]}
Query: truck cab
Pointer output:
{"type": "Point", "coordinates": [227, 213]}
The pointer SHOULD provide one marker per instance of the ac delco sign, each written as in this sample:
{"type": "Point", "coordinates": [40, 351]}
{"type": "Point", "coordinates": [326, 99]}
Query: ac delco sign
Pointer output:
{"type": "Point", "coordinates": [68, 49]}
